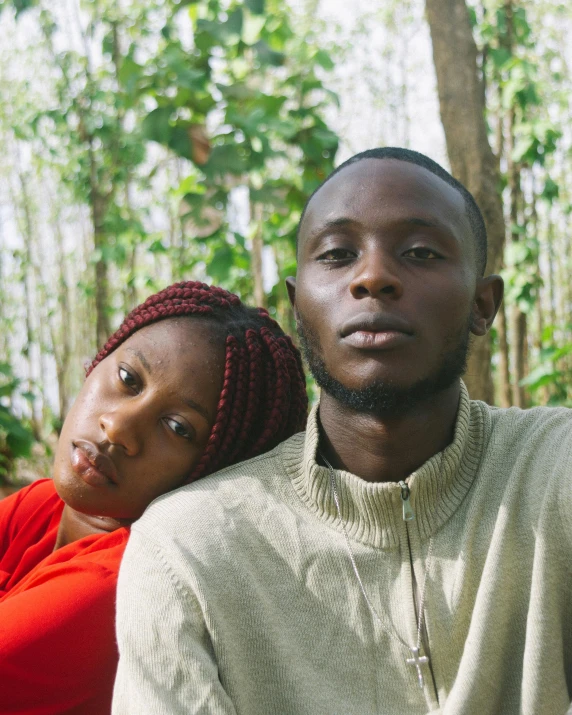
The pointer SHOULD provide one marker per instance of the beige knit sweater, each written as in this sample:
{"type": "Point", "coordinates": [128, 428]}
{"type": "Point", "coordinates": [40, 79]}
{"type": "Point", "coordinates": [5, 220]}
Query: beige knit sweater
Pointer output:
{"type": "Point", "coordinates": [237, 594]}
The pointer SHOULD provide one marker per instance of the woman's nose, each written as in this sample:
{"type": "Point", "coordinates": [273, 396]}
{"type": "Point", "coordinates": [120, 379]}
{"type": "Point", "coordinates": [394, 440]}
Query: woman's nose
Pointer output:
{"type": "Point", "coordinates": [120, 429]}
{"type": "Point", "coordinates": [376, 275]}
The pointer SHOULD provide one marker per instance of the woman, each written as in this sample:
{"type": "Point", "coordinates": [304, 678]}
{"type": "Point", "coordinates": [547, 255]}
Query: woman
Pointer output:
{"type": "Point", "coordinates": [192, 381]}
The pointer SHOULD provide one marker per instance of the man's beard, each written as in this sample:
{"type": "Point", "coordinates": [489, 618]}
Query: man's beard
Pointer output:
{"type": "Point", "coordinates": [383, 398]}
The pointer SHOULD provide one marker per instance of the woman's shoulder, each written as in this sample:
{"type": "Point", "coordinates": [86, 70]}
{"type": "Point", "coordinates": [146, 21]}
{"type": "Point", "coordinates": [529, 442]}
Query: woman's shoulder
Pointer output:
{"type": "Point", "coordinates": [38, 501]}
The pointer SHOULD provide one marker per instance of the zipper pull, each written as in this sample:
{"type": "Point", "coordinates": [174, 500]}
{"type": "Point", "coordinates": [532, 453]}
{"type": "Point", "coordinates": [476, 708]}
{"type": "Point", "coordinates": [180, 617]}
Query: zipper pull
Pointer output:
{"type": "Point", "coordinates": [408, 513]}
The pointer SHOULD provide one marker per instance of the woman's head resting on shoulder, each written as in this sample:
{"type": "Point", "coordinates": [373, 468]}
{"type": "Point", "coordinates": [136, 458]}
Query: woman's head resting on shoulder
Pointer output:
{"type": "Point", "coordinates": [191, 382]}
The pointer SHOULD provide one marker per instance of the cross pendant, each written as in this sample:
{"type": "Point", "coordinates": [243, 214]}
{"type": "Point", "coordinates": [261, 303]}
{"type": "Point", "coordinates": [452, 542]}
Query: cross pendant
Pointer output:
{"type": "Point", "coordinates": [417, 661]}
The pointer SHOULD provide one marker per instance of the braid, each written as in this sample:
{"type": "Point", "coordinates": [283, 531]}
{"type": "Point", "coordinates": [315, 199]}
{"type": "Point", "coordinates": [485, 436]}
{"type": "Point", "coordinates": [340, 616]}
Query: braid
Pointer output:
{"type": "Point", "coordinates": [263, 399]}
{"type": "Point", "coordinates": [213, 450]}
{"type": "Point", "coordinates": [186, 298]}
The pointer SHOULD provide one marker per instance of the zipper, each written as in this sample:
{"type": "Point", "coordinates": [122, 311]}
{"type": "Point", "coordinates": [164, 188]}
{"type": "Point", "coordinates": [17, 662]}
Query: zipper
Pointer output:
{"type": "Point", "coordinates": [408, 513]}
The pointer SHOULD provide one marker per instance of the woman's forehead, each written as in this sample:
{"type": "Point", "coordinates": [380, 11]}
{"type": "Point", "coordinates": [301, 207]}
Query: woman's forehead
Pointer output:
{"type": "Point", "coordinates": [182, 341]}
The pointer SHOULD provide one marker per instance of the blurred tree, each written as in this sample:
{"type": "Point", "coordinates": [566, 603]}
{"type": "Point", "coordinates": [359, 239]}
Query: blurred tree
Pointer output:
{"type": "Point", "coordinates": [188, 134]}
{"type": "Point", "coordinates": [462, 104]}
{"type": "Point", "coordinates": [16, 437]}
{"type": "Point", "coordinates": [244, 102]}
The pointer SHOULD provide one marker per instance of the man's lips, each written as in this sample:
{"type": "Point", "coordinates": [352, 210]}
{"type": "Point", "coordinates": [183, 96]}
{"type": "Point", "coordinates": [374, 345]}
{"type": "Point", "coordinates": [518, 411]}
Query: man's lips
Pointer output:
{"type": "Point", "coordinates": [376, 330]}
{"type": "Point", "coordinates": [375, 323]}
{"type": "Point", "coordinates": [92, 465]}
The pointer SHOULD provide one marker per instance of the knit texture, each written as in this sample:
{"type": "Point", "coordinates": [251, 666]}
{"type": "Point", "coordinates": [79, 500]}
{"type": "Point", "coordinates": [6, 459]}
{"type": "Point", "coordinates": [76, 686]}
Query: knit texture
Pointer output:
{"type": "Point", "coordinates": [237, 594]}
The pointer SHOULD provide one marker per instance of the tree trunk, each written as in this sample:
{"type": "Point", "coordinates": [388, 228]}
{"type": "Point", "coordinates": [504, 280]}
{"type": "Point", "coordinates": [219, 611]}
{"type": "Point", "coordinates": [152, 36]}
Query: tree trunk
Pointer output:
{"type": "Point", "coordinates": [257, 246]}
{"type": "Point", "coordinates": [32, 349]}
{"type": "Point", "coordinates": [62, 338]}
{"type": "Point", "coordinates": [98, 206]}
{"type": "Point", "coordinates": [5, 351]}
{"type": "Point", "coordinates": [472, 160]}
{"type": "Point", "coordinates": [517, 318]}
{"type": "Point", "coordinates": [504, 371]}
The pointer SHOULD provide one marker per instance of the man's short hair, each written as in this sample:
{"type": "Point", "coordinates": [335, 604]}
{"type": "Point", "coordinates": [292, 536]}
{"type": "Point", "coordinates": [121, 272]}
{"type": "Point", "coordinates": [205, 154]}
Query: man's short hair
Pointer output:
{"type": "Point", "coordinates": [473, 212]}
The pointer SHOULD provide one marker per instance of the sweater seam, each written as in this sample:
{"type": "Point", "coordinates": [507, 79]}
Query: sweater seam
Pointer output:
{"type": "Point", "coordinates": [171, 572]}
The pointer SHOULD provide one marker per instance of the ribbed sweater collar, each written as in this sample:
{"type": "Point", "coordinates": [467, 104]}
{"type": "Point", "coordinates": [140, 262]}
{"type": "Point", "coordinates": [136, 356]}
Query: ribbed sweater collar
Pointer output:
{"type": "Point", "coordinates": [372, 512]}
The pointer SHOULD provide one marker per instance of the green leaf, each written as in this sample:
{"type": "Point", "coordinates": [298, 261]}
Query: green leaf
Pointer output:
{"type": "Point", "coordinates": [19, 6]}
{"type": "Point", "coordinates": [268, 56]}
{"type": "Point", "coordinates": [252, 27]}
{"type": "Point", "coordinates": [324, 60]}
{"type": "Point", "coordinates": [6, 369]}
{"type": "Point", "coordinates": [551, 191]}
{"type": "Point", "coordinates": [226, 159]}
{"type": "Point", "coordinates": [20, 444]}
{"type": "Point", "coordinates": [540, 376]}
{"type": "Point", "coordinates": [7, 389]}
{"type": "Point", "coordinates": [255, 6]}
{"type": "Point", "coordinates": [221, 263]}
{"type": "Point", "coordinates": [156, 126]}
{"type": "Point", "coordinates": [158, 247]}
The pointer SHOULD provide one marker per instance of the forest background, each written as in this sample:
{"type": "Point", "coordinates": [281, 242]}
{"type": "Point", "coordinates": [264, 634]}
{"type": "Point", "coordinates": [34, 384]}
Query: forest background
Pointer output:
{"type": "Point", "coordinates": [148, 142]}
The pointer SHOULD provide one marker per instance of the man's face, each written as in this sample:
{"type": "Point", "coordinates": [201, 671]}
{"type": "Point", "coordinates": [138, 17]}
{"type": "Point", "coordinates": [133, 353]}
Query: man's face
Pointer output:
{"type": "Point", "coordinates": [386, 277]}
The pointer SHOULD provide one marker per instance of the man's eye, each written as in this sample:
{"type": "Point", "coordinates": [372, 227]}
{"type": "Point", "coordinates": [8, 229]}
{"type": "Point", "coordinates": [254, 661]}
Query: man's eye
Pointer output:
{"type": "Point", "coordinates": [422, 252]}
{"type": "Point", "coordinates": [335, 254]}
{"type": "Point", "coordinates": [127, 378]}
{"type": "Point", "coordinates": [178, 428]}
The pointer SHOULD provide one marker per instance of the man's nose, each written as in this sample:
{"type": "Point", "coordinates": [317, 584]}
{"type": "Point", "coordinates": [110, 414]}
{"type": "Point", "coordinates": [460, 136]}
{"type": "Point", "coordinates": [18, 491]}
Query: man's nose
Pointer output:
{"type": "Point", "coordinates": [376, 274]}
{"type": "Point", "coordinates": [120, 427]}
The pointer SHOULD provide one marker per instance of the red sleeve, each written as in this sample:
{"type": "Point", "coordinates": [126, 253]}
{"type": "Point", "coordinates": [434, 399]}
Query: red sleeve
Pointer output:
{"type": "Point", "coordinates": [58, 652]}
{"type": "Point", "coordinates": [16, 510]}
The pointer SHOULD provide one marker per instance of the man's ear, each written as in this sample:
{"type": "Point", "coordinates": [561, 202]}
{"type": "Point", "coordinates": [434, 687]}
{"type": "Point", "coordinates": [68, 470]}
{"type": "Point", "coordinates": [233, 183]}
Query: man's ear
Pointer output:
{"type": "Point", "coordinates": [488, 297]}
{"type": "Point", "coordinates": [291, 288]}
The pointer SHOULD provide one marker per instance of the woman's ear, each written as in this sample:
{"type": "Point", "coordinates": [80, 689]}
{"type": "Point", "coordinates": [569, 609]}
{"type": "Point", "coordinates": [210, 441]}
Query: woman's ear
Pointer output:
{"type": "Point", "coordinates": [488, 297]}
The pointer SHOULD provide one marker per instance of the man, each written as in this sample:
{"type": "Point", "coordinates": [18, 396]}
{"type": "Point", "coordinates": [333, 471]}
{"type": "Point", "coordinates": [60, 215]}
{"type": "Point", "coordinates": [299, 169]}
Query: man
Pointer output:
{"type": "Point", "coordinates": [408, 553]}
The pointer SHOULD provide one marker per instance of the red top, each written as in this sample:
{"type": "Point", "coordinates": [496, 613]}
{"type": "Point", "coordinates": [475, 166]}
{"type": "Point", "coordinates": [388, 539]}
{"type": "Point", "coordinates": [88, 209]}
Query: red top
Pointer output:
{"type": "Point", "coordinates": [58, 652]}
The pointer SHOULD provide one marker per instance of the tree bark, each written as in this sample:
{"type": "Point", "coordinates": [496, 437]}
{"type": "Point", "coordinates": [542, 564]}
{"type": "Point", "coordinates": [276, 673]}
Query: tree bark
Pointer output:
{"type": "Point", "coordinates": [462, 108]}
{"type": "Point", "coordinates": [257, 246]}
{"type": "Point", "coordinates": [33, 348]}
{"type": "Point", "coordinates": [504, 371]}
{"type": "Point", "coordinates": [518, 322]}
{"type": "Point", "coordinates": [98, 206]}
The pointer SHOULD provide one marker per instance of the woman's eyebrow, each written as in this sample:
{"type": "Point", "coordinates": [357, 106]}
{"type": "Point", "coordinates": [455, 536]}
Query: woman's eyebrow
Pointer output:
{"type": "Point", "coordinates": [191, 403]}
{"type": "Point", "coordinates": [142, 358]}
{"type": "Point", "coordinates": [198, 408]}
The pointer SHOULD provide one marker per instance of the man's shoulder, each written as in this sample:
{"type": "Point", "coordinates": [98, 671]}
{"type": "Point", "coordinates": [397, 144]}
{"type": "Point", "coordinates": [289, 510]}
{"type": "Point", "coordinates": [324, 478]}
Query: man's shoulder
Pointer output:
{"type": "Point", "coordinates": [226, 500]}
{"type": "Point", "coordinates": [545, 427]}
{"type": "Point", "coordinates": [535, 444]}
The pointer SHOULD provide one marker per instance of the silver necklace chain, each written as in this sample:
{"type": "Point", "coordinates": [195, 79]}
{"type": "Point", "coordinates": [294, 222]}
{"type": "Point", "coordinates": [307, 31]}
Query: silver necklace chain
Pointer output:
{"type": "Point", "coordinates": [417, 658]}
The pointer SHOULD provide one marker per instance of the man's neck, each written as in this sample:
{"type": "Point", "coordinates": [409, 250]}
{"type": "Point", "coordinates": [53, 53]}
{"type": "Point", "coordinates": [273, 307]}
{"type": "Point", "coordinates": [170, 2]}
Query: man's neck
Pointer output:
{"type": "Point", "coordinates": [387, 450]}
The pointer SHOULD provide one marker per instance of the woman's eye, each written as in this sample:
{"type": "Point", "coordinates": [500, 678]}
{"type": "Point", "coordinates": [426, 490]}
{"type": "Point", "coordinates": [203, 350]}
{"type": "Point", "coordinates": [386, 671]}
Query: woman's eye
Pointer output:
{"type": "Point", "coordinates": [336, 254]}
{"type": "Point", "coordinates": [127, 378]}
{"type": "Point", "coordinates": [421, 252]}
{"type": "Point", "coordinates": [178, 428]}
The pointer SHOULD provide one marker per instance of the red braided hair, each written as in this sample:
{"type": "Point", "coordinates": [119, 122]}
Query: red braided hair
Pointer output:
{"type": "Point", "coordinates": [263, 398]}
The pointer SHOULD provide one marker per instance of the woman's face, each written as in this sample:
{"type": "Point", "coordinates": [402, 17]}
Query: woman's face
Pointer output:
{"type": "Point", "coordinates": [142, 419]}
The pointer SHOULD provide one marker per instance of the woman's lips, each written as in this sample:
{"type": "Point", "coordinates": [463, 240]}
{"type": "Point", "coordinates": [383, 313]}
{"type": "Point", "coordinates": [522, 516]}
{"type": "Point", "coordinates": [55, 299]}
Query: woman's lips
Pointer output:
{"type": "Point", "coordinates": [369, 340]}
{"type": "Point", "coordinates": [94, 467]}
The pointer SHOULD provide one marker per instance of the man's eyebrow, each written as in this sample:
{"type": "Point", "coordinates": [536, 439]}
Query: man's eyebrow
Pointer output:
{"type": "Point", "coordinates": [334, 223]}
{"type": "Point", "coordinates": [198, 408]}
{"type": "Point", "coordinates": [142, 358]}
{"type": "Point", "coordinates": [421, 222]}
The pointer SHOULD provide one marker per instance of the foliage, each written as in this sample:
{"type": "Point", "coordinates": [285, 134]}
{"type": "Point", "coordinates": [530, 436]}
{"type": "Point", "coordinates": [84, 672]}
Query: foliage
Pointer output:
{"type": "Point", "coordinates": [16, 438]}
{"type": "Point", "coordinates": [246, 107]}
{"type": "Point", "coordinates": [187, 134]}
{"type": "Point", "coordinates": [525, 99]}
